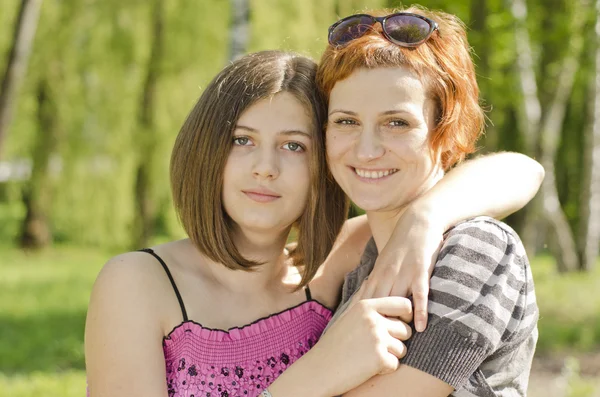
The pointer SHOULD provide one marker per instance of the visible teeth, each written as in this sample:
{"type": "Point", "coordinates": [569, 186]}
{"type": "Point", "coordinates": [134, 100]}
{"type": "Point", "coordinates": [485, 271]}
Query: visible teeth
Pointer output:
{"type": "Point", "coordinates": [374, 174]}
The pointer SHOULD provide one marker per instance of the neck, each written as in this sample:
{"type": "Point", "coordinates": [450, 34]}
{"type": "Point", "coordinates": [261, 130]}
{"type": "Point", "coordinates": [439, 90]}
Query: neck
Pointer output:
{"type": "Point", "coordinates": [265, 248]}
{"type": "Point", "coordinates": [382, 225]}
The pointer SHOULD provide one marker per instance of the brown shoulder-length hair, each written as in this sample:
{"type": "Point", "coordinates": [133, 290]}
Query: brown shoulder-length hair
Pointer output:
{"type": "Point", "coordinates": [205, 140]}
{"type": "Point", "coordinates": [444, 64]}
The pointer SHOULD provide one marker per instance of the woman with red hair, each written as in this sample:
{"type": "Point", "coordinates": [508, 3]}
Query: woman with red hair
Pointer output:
{"type": "Point", "coordinates": [403, 109]}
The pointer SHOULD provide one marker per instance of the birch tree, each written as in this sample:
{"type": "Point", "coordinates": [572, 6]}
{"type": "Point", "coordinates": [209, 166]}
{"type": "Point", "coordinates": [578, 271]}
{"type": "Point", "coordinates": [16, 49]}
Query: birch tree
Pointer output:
{"type": "Point", "coordinates": [18, 57]}
{"type": "Point", "coordinates": [542, 134]}
{"type": "Point", "coordinates": [240, 28]}
{"type": "Point", "coordinates": [589, 232]}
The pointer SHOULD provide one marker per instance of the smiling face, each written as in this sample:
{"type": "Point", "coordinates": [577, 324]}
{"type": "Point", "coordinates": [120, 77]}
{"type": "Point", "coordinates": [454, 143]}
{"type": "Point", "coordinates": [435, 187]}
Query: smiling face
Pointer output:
{"type": "Point", "coordinates": [267, 177]}
{"type": "Point", "coordinates": [377, 138]}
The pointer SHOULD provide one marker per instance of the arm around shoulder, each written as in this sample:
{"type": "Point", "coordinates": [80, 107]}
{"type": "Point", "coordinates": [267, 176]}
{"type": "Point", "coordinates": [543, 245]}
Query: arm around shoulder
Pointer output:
{"type": "Point", "coordinates": [123, 335]}
{"type": "Point", "coordinates": [495, 185]}
{"type": "Point", "coordinates": [476, 307]}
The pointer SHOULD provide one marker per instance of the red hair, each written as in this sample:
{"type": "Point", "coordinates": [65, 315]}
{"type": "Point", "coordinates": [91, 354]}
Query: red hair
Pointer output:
{"type": "Point", "coordinates": [443, 62]}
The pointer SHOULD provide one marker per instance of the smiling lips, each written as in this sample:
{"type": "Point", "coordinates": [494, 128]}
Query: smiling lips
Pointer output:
{"type": "Point", "coordinates": [261, 195]}
{"type": "Point", "coordinates": [374, 174]}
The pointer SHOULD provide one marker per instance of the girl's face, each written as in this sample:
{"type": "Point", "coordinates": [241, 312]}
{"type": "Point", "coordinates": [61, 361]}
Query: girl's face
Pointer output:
{"type": "Point", "coordinates": [267, 177]}
{"type": "Point", "coordinates": [377, 138]}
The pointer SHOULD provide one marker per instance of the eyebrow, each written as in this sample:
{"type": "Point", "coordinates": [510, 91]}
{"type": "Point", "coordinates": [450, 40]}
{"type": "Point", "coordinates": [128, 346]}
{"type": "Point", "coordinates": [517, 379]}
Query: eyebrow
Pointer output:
{"type": "Point", "coordinates": [386, 113]}
{"type": "Point", "coordinates": [351, 113]}
{"type": "Point", "coordinates": [284, 132]}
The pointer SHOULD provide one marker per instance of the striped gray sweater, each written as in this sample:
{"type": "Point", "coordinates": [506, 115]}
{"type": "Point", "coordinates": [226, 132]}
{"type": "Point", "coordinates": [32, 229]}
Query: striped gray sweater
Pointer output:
{"type": "Point", "coordinates": [481, 333]}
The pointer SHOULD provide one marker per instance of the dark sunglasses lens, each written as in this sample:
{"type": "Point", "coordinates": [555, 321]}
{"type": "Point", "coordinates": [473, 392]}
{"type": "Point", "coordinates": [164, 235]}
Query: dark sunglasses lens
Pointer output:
{"type": "Point", "coordinates": [350, 29]}
{"type": "Point", "coordinates": [407, 29]}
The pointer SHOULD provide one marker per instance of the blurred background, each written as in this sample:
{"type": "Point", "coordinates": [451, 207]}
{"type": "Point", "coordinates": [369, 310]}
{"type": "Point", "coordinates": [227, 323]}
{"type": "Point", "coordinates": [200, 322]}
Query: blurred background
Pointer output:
{"type": "Point", "coordinates": [94, 92]}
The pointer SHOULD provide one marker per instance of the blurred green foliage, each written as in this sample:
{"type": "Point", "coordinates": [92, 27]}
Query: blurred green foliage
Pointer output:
{"type": "Point", "coordinates": [94, 54]}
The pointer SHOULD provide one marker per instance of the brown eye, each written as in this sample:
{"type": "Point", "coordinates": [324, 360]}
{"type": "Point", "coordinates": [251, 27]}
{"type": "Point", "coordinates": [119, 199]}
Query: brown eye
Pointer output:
{"type": "Point", "coordinates": [345, 122]}
{"type": "Point", "coordinates": [397, 123]}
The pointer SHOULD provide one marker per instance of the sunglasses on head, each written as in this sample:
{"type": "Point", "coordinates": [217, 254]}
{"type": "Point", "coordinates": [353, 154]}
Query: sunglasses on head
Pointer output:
{"type": "Point", "coordinates": [402, 28]}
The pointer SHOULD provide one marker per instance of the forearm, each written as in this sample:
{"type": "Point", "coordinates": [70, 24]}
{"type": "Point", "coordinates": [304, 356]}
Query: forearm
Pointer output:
{"type": "Point", "coordinates": [303, 378]}
{"type": "Point", "coordinates": [405, 382]}
{"type": "Point", "coordinates": [495, 185]}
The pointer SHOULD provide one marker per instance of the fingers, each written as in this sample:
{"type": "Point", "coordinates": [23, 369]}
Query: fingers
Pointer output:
{"type": "Point", "coordinates": [395, 351]}
{"type": "Point", "coordinates": [398, 329]}
{"type": "Point", "coordinates": [401, 287]}
{"type": "Point", "coordinates": [382, 279]}
{"type": "Point", "coordinates": [397, 348]}
{"type": "Point", "coordinates": [369, 286]}
{"type": "Point", "coordinates": [420, 292]}
{"type": "Point", "coordinates": [392, 306]}
{"type": "Point", "coordinates": [390, 363]}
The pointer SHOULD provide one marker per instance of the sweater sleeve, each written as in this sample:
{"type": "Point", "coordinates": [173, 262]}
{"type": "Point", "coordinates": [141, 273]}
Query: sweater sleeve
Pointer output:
{"type": "Point", "coordinates": [478, 296]}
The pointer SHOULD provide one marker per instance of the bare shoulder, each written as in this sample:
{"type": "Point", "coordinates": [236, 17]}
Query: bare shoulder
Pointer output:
{"type": "Point", "coordinates": [130, 281]}
{"type": "Point", "coordinates": [128, 274]}
{"type": "Point", "coordinates": [125, 324]}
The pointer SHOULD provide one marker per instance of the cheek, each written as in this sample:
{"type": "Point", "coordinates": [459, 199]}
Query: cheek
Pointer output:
{"type": "Point", "coordinates": [336, 145]}
{"type": "Point", "coordinates": [296, 172]}
{"type": "Point", "coordinates": [412, 149]}
{"type": "Point", "coordinates": [229, 169]}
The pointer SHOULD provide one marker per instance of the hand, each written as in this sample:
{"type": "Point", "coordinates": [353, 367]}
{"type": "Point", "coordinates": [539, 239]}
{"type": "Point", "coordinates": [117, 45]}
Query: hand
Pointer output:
{"type": "Point", "coordinates": [404, 266]}
{"type": "Point", "coordinates": [365, 341]}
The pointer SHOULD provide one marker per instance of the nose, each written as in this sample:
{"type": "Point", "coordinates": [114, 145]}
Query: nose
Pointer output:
{"type": "Point", "coordinates": [266, 164]}
{"type": "Point", "coordinates": [369, 146]}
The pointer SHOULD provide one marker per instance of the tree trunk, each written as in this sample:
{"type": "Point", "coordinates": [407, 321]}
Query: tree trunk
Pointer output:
{"type": "Point", "coordinates": [35, 231]}
{"type": "Point", "coordinates": [589, 231]}
{"type": "Point", "coordinates": [564, 247]}
{"type": "Point", "coordinates": [145, 209]}
{"type": "Point", "coordinates": [240, 28]}
{"type": "Point", "coordinates": [18, 57]}
{"type": "Point", "coordinates": [543, 135]}
{"type": "Point", "coordinates": [529, 115]}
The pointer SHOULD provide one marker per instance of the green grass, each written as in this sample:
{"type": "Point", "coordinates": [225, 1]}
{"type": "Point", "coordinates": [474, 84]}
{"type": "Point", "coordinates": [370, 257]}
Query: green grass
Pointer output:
{"type": "Point", "coordinates": [46, 384]}
{"type": "Point", "coordinates": [569, 308]}
{"type": "Point", "coordinates": [43, 300]}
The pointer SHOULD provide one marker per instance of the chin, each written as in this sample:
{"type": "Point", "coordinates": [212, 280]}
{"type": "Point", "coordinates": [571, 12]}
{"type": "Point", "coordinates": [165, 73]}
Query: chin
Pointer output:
{"type": "Point", "coordinates": [376, 204]}
{"type": "Point", "coordinates": [371, 205]}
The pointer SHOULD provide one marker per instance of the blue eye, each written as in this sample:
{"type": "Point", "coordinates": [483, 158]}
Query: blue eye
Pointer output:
{"type": "Point", "coordinates": [294, 147]}
{"type": "Point", "coordinates": [241, 140]}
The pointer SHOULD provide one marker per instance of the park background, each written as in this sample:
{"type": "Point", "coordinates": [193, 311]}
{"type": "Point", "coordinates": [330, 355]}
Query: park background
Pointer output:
{"type": "Point", "coordinates": [90, 107]}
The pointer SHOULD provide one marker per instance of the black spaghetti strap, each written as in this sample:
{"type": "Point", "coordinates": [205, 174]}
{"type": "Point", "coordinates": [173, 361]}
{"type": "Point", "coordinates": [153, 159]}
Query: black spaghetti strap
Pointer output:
{"type": "Point", "coordinates": [308, 294]}
{"type": "Point", "coordinates": [164, 265]}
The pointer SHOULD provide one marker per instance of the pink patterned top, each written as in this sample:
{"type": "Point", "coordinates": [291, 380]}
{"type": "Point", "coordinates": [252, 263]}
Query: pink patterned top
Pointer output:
{"type": "Point", "coordinates": [242, 361]}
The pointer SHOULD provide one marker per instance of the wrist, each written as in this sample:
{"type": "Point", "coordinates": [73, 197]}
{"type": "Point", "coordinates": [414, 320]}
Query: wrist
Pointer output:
{"type": "Point", "coordinates": [423, 211]}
